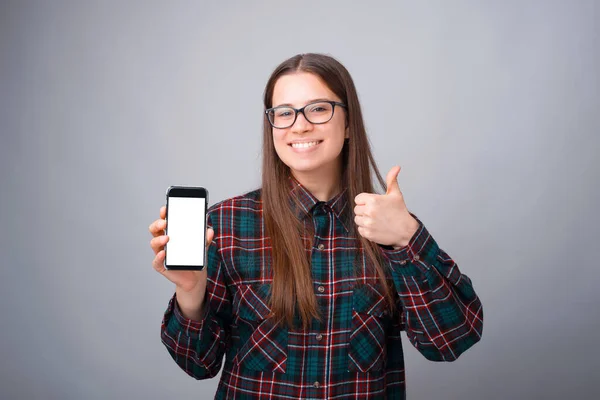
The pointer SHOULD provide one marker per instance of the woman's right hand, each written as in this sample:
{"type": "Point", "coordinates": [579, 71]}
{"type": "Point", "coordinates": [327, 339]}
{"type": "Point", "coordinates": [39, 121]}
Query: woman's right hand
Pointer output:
{"type": "Point", "coordinates": [188, 283]}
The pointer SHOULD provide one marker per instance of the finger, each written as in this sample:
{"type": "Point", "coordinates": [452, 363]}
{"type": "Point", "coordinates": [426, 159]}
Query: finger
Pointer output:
{"type": "Point", "coordinates": [158, 243]}
{"type": "Point", "coordinates": [163, 212]}
{"type": "Point", "coordinates": [361, 210]}
{"type": "Point", "coordinates": [363, 198]}
{"type": "Point", "coordinates": [157, 227]}
{"type": "Point", "coordinates": [392, 180]}
{"type": "Point", "coordinates": [364, 232]}
{"type": "Point", "coordinates": [363, 222]}
{"type": "Point", "coordinates": [159, 262]}
{"type": "Point", "coordinates": [210, 234]}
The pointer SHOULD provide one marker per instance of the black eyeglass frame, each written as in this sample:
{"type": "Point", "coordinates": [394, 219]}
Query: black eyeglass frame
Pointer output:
{"type": "Point", "coordinates": [301, 110]}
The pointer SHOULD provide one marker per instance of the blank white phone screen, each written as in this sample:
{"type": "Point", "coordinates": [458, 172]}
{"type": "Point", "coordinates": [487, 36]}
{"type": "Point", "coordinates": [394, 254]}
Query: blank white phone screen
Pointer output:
{"type": "Point", "coordinates": [186, 229]}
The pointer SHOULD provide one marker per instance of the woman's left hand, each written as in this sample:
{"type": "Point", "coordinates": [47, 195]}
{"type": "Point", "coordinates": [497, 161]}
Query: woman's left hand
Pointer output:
{"type": "Point", "coordinates": [383, 218]}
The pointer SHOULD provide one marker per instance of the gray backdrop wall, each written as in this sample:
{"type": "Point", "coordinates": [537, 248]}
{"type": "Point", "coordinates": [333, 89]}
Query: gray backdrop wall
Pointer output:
{"type": "Point", "coordinates": [491, 108]}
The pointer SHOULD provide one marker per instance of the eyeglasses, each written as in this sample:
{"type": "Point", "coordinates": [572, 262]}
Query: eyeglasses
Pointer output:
{"type": "Point", "coordinates": [319, 112]}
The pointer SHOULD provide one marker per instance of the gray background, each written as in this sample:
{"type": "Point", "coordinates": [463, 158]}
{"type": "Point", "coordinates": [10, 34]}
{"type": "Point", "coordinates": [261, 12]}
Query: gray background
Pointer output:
{"type": "Point", "coordinates": [491, 108]}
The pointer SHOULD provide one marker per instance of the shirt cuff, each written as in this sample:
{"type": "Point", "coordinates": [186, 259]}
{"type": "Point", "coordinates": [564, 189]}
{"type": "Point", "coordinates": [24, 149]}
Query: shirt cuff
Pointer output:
{"type": "Point", "coordinates": [179, 323]}
{"type": "Point", "coordinates": [421, 247]}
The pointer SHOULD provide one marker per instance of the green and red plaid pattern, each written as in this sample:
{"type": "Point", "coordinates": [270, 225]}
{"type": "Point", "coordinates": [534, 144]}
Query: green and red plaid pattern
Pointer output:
{"type": "Point", "coordinates": [355, 350]}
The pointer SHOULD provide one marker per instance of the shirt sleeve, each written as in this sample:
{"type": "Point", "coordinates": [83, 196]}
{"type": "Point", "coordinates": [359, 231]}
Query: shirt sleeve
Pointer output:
{"type": "Point", "coordinates": [198, 346]}
{"type": "Point", "coordinates": [444, 316]}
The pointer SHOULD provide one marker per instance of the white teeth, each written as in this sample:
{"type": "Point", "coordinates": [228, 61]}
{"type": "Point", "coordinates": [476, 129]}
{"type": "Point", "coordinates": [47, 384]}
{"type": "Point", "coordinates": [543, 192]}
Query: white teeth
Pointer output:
{"type": "Point", "coordinates": [304, 145]}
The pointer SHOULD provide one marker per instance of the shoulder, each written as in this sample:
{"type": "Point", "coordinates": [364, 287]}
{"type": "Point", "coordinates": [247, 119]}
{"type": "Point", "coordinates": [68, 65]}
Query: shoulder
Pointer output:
{"type": "Point", "coordinates": [249, 202]}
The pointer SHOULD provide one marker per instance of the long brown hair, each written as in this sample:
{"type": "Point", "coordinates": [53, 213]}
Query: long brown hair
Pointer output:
{"type": "Point", "coordinates": [292, 279]}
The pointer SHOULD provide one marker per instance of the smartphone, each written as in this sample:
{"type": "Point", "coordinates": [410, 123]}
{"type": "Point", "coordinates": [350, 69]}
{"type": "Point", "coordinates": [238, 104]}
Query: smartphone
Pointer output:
{"type": "Point", "coordinates": [186, 228]}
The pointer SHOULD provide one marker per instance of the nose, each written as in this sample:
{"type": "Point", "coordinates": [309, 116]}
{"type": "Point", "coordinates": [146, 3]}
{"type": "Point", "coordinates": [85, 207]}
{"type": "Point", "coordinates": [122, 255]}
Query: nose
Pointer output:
{"type": "Point", "coordinates": [301, 124]}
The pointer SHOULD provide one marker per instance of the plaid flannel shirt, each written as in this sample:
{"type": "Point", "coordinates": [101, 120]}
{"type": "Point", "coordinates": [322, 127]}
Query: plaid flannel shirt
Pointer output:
{"type": "Point", "coordinates": [355, 350]}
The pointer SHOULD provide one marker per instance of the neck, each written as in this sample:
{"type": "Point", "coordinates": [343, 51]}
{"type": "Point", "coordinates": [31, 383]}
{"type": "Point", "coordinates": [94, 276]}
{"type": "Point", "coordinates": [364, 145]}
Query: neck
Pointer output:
{"type": "Point", "coordinates": [323, 184]}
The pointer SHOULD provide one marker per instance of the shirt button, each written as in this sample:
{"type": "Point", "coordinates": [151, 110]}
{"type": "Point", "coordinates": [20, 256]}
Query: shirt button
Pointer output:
{"type": "Point", "coordinates": [417, 257]}
{"type": "Point", "coordinates": [321, 289]}
{"type": "Point", "coordinates": [319, 337]}
{"type": "Point", "coordinates": [317, 384]}
{"type": "Point", "coordinates": [321, 246]}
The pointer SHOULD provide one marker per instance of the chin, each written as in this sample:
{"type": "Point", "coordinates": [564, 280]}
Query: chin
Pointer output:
{"type": "Point", "coordinates": [309, 166]}
{"type": "Point", "coordinates": [303, 167]}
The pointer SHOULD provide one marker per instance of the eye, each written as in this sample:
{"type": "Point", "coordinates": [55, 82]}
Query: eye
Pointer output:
{"type": "Point", "coordinates": [283, 113]}
{"type": "Point", "coordinates": [319, 108]}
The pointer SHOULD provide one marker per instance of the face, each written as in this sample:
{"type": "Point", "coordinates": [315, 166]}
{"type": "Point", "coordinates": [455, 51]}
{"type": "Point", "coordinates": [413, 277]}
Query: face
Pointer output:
{"type": "Point", "coordinates": [304, 147]}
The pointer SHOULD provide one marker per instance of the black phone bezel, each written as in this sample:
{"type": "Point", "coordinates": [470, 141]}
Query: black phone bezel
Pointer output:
{"type": "Point", "coordinates": [186, 191]}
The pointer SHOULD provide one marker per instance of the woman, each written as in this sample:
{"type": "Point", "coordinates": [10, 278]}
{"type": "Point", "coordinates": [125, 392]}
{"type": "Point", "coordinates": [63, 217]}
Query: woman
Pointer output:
{"type": "Point", "coordinates": [311, 278]}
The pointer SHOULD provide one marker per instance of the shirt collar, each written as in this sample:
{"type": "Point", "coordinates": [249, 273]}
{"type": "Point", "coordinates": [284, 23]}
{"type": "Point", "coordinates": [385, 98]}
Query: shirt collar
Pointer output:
{"type": "Point", "coordinates": [303, 201]}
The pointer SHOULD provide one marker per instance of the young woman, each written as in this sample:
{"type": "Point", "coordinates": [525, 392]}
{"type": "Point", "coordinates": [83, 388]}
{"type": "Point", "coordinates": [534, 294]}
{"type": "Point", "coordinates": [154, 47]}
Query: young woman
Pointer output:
{"type": "Point", "coordinates": [312, 277]}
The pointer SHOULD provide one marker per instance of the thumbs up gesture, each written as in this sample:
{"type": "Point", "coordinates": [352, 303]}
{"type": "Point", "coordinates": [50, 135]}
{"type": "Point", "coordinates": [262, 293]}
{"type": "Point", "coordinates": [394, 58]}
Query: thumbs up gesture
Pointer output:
{"type": "Point", "coordinates": [384, 219]}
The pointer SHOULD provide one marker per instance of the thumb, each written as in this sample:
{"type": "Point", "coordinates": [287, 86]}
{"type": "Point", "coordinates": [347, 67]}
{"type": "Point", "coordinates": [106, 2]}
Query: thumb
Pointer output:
{"type": "Point", "coordinates": [210, 234]}
{"type": "Point", "coordinates": [391, 180]}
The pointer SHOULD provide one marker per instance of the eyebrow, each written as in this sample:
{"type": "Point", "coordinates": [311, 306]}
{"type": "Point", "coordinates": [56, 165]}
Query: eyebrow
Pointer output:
{"type": "Point", "coordinates": [308, 102]}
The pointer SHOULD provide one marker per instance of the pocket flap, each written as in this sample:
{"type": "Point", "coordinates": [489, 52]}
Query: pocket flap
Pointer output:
{"type": "Point", "coordinates": [253, 303]}
{"type": "Point", "coordinates": [369, 299]}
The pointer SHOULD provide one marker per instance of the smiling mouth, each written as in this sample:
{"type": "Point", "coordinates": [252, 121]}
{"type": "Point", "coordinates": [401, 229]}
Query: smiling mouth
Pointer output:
{"type": "Point", "coordinates": [305, 145]}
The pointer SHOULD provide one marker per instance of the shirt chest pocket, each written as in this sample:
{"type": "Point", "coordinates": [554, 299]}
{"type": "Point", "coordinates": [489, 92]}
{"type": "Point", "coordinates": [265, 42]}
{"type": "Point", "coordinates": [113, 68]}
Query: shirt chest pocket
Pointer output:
{"type": "Point", "coordinates": [367, 346]}
{"type": "Point", "coordinates": [262, 343]}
